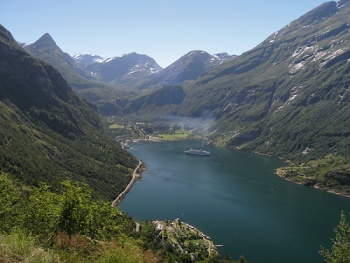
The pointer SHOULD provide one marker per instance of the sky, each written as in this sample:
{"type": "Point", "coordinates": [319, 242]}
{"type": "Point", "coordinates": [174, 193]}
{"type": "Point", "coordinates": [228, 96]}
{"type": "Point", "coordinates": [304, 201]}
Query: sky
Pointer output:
{"type": "Point", "coordinates": [162, 29]}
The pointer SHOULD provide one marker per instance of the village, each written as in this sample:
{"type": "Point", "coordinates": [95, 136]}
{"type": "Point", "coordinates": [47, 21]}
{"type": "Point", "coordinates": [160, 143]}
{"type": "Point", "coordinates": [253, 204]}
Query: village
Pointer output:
{"type": "Point", "coordinates": [185, 238]}
{"type": "Point", "coordinates": [128, 132]}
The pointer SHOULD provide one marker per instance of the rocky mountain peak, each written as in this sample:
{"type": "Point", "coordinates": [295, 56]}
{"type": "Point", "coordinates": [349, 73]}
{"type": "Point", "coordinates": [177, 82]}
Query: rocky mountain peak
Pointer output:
{"type": "Point", "coordinates": [46, 40]}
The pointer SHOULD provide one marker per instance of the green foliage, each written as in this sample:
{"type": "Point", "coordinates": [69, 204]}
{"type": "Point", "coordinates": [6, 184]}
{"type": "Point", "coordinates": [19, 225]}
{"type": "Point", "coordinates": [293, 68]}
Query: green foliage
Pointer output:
{"type": "Point", "coordinates": [331, 173]}
{"type": "Point", "coordinates": [42, 212]}
{"type": "Point", "coordinates": [47, 215]}
{"type": "Point", "coordinates": [10, 203]}
{"type": "Point", "coordinates": [74, 208]}
{"type": "Point", "coordinates": [34, 153]}
{"type": "Point", "coordinates": [340, 251]}
{"type": "Point", "coordinates": [72, 212]}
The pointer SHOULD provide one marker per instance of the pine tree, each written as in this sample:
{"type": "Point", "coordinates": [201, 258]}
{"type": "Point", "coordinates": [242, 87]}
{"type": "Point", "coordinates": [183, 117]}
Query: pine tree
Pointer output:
{"type": "Point", "coordinates": [340, 251]}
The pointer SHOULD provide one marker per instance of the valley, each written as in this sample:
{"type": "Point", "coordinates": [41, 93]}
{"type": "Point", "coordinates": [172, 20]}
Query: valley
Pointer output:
{"type": "Point", "coordinates": [68, 122]}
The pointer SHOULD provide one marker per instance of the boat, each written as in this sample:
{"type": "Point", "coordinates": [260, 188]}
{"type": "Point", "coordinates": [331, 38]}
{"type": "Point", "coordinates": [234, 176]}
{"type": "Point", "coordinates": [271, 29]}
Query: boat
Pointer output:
{"type": "Point", "coordinates": [200, 152]}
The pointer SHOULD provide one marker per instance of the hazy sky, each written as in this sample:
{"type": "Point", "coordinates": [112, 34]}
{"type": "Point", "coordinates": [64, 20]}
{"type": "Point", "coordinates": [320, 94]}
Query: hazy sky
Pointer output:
{"type": "Point", "coordinates": [162, 29]}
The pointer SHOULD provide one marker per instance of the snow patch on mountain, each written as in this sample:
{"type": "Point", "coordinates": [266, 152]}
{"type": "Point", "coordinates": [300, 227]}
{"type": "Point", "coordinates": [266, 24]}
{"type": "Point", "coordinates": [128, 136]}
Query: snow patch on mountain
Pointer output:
{"type": "Point", "coordinates": [105, 60]}
{"type": "Point", "coordinates": [86, 58]}
{"type": "Point", "coordinates": [144, 66]}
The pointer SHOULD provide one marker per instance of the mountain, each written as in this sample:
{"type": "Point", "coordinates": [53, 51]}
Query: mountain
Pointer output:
{"type": "Point", "coordinates": [163, 90]}
{"type": "Point", "coordinates": [188, 67]}
{"type": "Point", "coordinates": [111, 83]}
{"type": "Point", "coordinates": [82, 71]}
{"type": "Point", "coordinates": [46, 49]}
{"type": "Point", "coordinates": [287, 97]}
{"type": "Point", "coordinates": [84, 82]}
{"type": "Point", "coordinates": [288, 94]}
{"type": "Point", "coordinates": [115, 70]}
{"type": "Point", "coordinates": [48, 133]}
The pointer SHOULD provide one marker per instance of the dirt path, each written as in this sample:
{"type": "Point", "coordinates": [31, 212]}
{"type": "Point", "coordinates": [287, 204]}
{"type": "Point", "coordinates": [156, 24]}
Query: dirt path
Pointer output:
{"type": "Point", "coordinates": [135, 177]}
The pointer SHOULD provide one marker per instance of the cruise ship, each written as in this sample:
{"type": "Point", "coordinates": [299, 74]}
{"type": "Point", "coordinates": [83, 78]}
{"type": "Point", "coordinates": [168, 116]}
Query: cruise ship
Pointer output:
{"type": "Point", "coordinates": [200, 152]}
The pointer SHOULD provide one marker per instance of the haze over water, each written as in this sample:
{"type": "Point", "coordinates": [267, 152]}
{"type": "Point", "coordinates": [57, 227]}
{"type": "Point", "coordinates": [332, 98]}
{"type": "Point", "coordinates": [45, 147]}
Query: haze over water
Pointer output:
{"type": "Point", "coordinates": [236, 199]}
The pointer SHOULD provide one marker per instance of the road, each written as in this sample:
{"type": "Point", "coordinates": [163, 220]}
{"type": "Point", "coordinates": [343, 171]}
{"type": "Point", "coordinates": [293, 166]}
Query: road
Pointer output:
{"type": "Point", "coordinates": [135, 177]}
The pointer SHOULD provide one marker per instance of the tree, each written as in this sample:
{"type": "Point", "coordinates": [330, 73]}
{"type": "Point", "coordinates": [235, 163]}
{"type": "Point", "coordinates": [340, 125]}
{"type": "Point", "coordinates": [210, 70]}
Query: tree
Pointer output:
{"type": "Point", "coordinates": [104, 221]}
{"type": "Point", "coordinates": [9, 204]}
{"type": "Point", "coordinates": [74, 207]}
{"type": "Point", "coordinates": [42, 213]}
{"type": "Point", "coordinates": [340, 252]}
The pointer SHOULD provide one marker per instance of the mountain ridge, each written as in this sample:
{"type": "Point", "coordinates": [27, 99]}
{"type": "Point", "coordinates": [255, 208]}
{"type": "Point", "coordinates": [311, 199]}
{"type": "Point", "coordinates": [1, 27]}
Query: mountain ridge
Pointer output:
{"type": "Point", "coordinates": [188, 67]}
{"type": "Point", "coordinates": [111, 69]}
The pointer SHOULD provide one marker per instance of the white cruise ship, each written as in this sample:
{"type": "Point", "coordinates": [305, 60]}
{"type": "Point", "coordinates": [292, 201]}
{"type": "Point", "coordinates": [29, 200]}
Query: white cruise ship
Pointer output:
{"type": "Point", "coordinates": [197, 152]}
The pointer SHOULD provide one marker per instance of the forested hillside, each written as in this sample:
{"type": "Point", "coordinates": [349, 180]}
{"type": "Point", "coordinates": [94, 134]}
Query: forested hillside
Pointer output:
{"type": "Point", "coordinates": [48, 134]}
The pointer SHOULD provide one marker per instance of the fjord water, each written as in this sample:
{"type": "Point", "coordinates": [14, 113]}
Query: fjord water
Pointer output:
{"type": "Point", "coordinates": [236, 199]}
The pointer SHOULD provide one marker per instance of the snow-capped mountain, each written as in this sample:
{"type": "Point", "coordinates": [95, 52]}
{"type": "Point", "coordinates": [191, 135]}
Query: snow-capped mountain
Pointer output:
{"type": "Point", "coordinates": [86, 59]}
{"type": "Point", "coordinates": [111, 69]}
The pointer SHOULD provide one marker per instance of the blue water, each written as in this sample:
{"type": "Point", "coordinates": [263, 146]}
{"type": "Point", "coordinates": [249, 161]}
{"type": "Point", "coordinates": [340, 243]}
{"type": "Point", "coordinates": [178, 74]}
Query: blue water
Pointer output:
{"type": "Point", "coordinates": [236, 199]}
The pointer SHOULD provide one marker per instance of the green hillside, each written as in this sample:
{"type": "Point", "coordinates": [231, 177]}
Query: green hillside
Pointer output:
{"type": "Point", "coordinates": [48, 134]}
{"type": "Point", "coordinates": [289, 96]}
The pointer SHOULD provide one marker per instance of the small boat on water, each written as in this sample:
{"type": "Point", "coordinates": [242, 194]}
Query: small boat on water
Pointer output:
{"type": "Point", "coordinates": [200, 152]}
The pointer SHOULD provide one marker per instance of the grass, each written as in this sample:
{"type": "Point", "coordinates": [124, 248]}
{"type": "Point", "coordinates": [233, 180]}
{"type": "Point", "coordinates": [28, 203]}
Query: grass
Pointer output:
{"type": "Point", "coordinates": [174, 136]}
{"type": "Point", "coordinates": [21, 247]}
{"type": "Point", "coordinates": [117, 126]}
{"type": "Point", "coordinates": [158, 132]}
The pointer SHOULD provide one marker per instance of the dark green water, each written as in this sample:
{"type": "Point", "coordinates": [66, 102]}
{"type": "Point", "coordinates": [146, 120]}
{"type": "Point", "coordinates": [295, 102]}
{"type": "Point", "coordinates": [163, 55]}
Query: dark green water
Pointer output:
{"type": "Point", "coordinates": [236, 199]}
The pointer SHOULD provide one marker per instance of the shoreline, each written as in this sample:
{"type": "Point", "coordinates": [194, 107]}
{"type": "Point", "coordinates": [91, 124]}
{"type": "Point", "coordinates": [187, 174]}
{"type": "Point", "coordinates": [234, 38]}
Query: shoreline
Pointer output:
{"type": "Point", "coordinates": [134, 179]}
{"type": "Point", "coordinates": [317, 187]}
